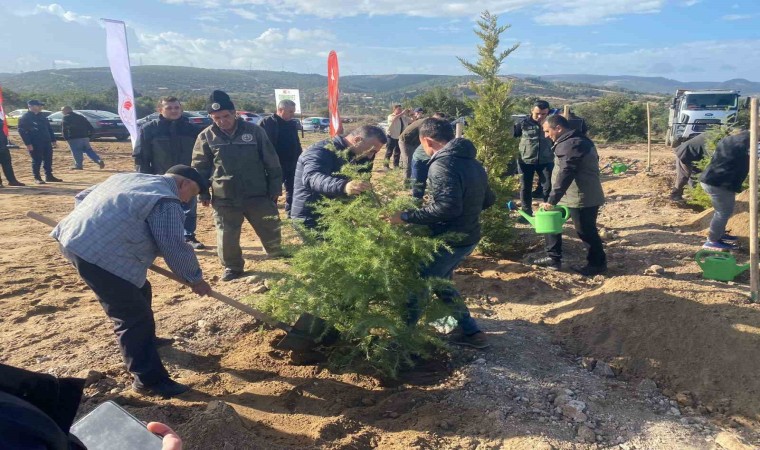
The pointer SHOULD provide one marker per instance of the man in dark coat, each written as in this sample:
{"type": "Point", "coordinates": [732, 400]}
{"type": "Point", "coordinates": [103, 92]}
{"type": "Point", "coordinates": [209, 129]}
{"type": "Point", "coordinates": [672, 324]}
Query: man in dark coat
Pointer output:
{"type": "Point", "coordinates": [459, 191]}
{"type": "Point", "coordinates": [77, 130]}
{"type": "Point", "coordinates": [283, 134]}
{"type": "Point", "coordinates": [576, 185]}
{"type": "Point", "coordinates": [164, 143]}
{"type": "Point", "coordinates": [317, 167]}
{"type": "Point", "coordinates": [721, 180]}
{"type": "Point", "coordinates": [37, 134]}
{"type": "Point", "coordinates": [5, 160]}
{"type": "Point", "coordinates": [687, 154]}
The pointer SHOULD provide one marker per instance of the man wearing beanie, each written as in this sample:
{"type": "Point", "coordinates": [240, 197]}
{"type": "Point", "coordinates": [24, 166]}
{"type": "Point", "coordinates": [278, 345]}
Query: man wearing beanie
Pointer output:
{"type": "Point", "coordinates": [116, 230]}
{"type": "Point", "coordinates": [246, 180]}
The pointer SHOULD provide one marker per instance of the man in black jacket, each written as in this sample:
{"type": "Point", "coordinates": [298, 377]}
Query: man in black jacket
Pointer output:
{"type": "Point", "coordinates": [458, 186]}
{"type": "Point", "coordinates": [37, 134]}
{"type": "Point", "coordinates": [687, 154]}
{"type": "Point", "coordinates": [283, 134]}
{"type": "Point", "coordinates": [576, 185]}
{"type": "Point", "coordinates": [77, 130]}
{"type": "Point", "coordinates": [5, 160]}
{"type": "Point", "coordinates": [164, 143]}
{"type": "Point", "coordinates": [317, 167]}
{"type": "Point", "coordinates": [721, 180]}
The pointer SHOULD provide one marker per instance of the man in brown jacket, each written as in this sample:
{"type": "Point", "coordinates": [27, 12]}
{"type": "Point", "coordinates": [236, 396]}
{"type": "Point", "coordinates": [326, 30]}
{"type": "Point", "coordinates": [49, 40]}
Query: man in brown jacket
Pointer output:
{"type": "Point", "coordinates": [246, 180]}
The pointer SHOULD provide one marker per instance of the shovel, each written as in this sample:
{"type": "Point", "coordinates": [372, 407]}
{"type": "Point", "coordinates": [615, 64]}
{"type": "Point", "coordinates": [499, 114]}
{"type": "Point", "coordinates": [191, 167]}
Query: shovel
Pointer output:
{"type": "Point", "coordinates": [308, 331]}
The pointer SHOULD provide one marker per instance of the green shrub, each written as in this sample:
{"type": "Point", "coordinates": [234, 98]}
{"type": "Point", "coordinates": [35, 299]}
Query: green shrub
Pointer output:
{"type": "Point", "coordinates": [357, 271]}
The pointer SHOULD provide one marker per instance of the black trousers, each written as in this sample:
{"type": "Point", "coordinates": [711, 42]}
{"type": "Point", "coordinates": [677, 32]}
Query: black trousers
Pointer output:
{"type": "Point", "coordinates": [288, 179]}
{"type": "Point", "coordinates": [584, 220]}
{"type": "Point", "coordinates": [5, 162]}
{"type": "Point", "coordinates": [129, 309]}
{"type": "Point", "coordinates": [42, 155]}
{"type": "Point", "coordinates": [392, 149]}
{"type": "Point", "coordinates": [528, 172]}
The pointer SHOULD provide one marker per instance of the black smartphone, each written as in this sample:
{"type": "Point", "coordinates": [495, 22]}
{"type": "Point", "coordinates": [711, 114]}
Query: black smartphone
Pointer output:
{"type": "Point", "coordinates": [110, 427]}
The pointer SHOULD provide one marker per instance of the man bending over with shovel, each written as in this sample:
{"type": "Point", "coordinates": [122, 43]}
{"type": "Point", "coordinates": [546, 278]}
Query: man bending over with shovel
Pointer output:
{"type": "Point", "coordinates": [113, 235]}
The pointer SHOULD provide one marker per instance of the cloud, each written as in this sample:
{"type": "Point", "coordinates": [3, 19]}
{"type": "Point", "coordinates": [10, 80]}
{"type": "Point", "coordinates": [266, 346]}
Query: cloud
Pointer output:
{"type": "Point", "coordinates": [732, 17]}
{"type": "Point", "coordinates": [66, 63]}
{"type": "Point", "coordinates": [578, 12]}
{"type": "Point", "coordinates": [244, 13]}
{"type": "Point", "coordinates": [68, 16]}
{"type": "Point", "coordinates": [688, 3]}
{"type": "Point", "coordinates": [297, 34]}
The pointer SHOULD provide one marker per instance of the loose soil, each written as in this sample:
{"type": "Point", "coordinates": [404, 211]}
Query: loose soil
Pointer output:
{"type": "Point", "coordinates": [627, 360]}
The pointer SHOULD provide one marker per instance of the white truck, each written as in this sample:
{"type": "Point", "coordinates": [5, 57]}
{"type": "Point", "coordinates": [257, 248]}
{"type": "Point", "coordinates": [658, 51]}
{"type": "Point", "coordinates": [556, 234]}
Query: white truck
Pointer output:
{"type": "Point", "coordinates": [693, 112]}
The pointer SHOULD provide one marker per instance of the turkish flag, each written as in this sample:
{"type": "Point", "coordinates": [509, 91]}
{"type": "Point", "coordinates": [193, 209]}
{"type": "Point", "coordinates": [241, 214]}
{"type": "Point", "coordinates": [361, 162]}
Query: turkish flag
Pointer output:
{"type": "Point", "coordinates": [2, 113]}
{"type": "Point", "coordinates": [333, 92]}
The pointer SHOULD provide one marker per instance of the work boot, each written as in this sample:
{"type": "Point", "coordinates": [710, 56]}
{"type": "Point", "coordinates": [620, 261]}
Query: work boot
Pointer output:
{"type": "Point", "coordinates": [39, 181]}
{"type": "Point", "coordinates": [720, 246]}
{"type": "Point", "coordinates": [477, 340]}
{"type": "Point", "coordinates": [101, 164]}
{"type": "Point", "coordinates": [229, 274]}
{"type": "Point", "coordinates": [167, 388]}
{"type": "Point", "coordinates": [194, 243]}
{"type": "Point", "coordinates": [549, 263]}
{"type": "Point", "coordinates": [162, 341]}
{"type": "Point", "coordinates": [15, 183]}
{"type": "Point", "coordinates": [51, 179]}
{"type": "Point", "coordinates": [77, 168]}
{"type": "Point", "coordinates": [590, 271]}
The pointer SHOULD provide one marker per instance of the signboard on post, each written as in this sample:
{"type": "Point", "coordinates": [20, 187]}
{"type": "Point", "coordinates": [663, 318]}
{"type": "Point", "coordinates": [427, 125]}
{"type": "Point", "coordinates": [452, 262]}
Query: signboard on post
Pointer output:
{"type": "Point", "coordinates": [288, 94]}
{"type": "Point", "coordinates": [333, 75]}
{"type": "Point", "coordinates": [118, 59]}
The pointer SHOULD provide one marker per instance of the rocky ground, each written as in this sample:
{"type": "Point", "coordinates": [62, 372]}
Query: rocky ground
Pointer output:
{"type": "Point", "coordinates": [649, 356]}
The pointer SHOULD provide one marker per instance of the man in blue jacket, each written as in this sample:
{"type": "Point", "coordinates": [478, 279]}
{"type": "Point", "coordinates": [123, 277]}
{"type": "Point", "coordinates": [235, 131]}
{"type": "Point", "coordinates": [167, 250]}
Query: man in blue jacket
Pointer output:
{"type": "Point", "coordinates": [317, 167]}
{"type": "Point", "coordinates": [37, 134]}
{"type": "Point", "coordinates": [459, 191]}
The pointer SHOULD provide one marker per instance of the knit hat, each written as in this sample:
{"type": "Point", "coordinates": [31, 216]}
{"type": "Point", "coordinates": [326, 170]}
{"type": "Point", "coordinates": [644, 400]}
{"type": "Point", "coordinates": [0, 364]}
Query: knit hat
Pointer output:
{"type": "Point", "coordinates": [191, 174]}
{"type": "Point", "coordinates": [218, 101]}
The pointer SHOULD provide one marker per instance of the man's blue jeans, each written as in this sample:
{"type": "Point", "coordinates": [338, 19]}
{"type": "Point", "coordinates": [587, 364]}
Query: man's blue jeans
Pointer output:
{"type": "Point", "coordinates": [443, 267]}
{"type": "Point", "coordinates": [79, 147]}
{"type": "Point", "coordinates": [419, 177]}
{"type": "Point", "coordinates": [191, 217]}
{"type": "Point", "coordinates": [723, 201]}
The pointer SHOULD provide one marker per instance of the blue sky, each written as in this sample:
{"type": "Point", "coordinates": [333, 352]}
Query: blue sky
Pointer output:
{"type": "Point", "coordinates": [689, 40]}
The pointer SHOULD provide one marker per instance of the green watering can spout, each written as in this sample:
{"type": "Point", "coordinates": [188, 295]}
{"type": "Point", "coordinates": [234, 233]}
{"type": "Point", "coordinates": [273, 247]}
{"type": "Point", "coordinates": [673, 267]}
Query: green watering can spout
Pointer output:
{"type": "Point", "coordinates": [528, 217]}
{"type": "Point", "coordinates": [720, 266]}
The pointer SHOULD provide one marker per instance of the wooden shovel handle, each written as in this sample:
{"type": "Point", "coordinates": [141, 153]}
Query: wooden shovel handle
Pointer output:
{"type": "Point", "coordinates": [168, 274]}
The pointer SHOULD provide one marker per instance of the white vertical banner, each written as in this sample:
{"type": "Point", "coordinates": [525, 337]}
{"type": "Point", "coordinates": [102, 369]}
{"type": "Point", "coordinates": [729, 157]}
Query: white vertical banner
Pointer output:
{"type": "Point", "coordinates": [288, 94]}
{"type": "Point", "coordinates": [118, 60]}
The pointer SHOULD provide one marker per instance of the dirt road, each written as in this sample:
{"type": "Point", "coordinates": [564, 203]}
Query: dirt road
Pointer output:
{"type": "Point", "coordinates": [661, 360]}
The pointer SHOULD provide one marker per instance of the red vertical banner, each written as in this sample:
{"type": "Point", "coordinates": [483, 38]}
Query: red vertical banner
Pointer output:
{"type": "Point", "coordinates": [333, 75]}
{"type": "Point", "coordinates": [2, 113]}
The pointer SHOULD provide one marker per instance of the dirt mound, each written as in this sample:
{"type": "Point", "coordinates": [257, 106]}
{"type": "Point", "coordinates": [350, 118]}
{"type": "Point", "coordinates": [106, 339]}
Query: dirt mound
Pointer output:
{"type": "Point", "coordinates": [738, 224]}
{"type": "Point", "coordinates": [686, 336]}
{"type": "Point", "coordinates": [220, 427]}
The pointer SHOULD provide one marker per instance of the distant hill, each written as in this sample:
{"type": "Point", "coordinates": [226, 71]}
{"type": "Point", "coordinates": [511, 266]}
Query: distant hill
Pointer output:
{"type": "Point", "coordinates": [654, 85]}
{"type": "Point", "coordinates": [155, 80]}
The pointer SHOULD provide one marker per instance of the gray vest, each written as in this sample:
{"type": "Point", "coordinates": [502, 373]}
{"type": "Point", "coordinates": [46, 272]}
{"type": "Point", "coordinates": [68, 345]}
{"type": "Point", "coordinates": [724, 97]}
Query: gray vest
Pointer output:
{"type": "Point", "coordinates": [534, 147]}
{"type": "Point", "coordinates": [108, 228]}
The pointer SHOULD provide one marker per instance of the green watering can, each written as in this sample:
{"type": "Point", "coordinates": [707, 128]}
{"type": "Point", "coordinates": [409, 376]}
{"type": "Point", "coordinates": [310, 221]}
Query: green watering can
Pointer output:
{"type": "Point", "coordinates": [618, 168]}
{"type": "Point", "coordinates": [548, 222]}
{"type": "Point", "coordinates": [720, 266]}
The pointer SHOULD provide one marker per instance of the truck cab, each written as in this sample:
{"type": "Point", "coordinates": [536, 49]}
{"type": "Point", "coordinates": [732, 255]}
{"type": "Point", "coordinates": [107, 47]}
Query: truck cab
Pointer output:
{"type": "Point", "coordinates": [693, 112]}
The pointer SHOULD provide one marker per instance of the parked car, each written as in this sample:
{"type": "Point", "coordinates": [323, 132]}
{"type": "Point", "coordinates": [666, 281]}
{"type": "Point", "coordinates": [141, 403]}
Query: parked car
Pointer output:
{"type": "Point", "coordinates": [318, 123]}
{"type": "Point", "coordinates": [307, 125]}
{"type": "Point", "coordinates": [12, 117]}
{"type": "Point", "coordinates": [196, 119]}
{"type": "Point", "coordinates": [105, 124]}
{"type": "Point", "coordinates": [297, 123]}
{"type": "Point", "coordinates": [250, 117]}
